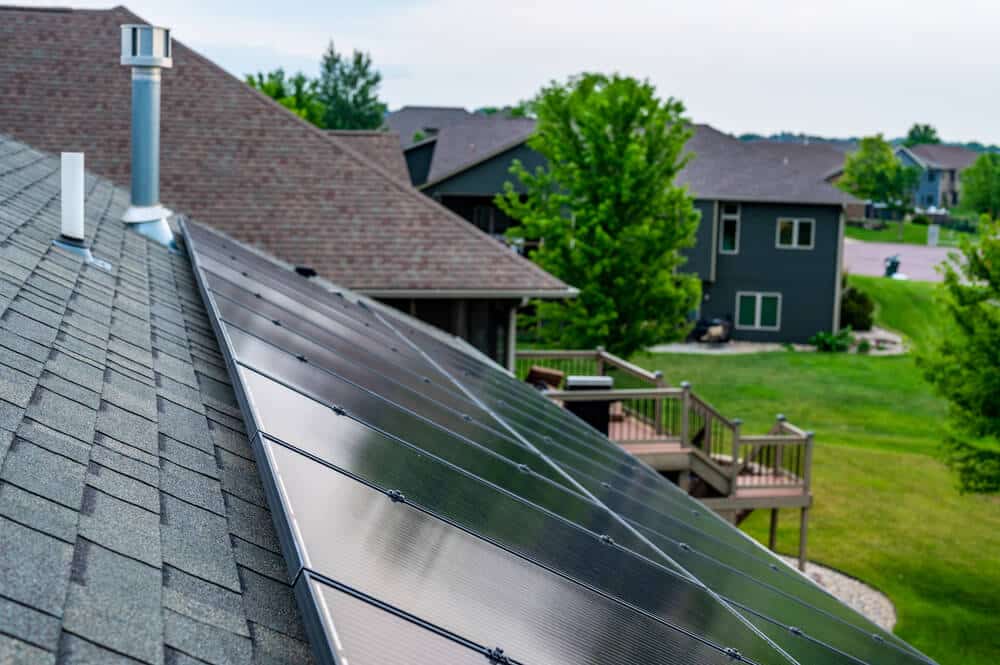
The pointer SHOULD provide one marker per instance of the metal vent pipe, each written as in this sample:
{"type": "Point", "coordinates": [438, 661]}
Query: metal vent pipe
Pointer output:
{"type": "Point", "coordinates": [147, 50]}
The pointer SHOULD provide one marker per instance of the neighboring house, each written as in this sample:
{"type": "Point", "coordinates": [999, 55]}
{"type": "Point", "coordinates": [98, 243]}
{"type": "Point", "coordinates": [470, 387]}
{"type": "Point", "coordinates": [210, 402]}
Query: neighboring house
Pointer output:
{"type": "Point", "coordinates": [940, 167]}
{"type": "Point", "coordinates": [769, 247]}
{"type": "Point", "coordinates": [241, 163]}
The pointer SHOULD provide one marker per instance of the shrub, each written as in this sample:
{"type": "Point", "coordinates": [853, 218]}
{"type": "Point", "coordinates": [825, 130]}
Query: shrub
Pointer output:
{"type": "Point", "coordinates": [829, 342]}
{"type": "Point", "coordinates": [857, 309]}
{"type": "Point", "coordinates": [864, 346]}
{"type": "Point", "coordinates": [923, 220]}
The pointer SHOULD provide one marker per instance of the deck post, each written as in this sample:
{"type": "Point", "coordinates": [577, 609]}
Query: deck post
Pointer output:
{"type": "Point", "coordinates": [803, 531]}
{"type": "Point", "coordinates": [684, 480]}
{"type": "Point", "coordinates": [735, 470]}
{"type": "Point", "coordinates": [658, 406]}
{"type": "Point", "coordinates": [772, 536]}
{"type": "Point", "coordinates": [599, 360]}
{"type": "Point", "coordinates": [807, 464]}
{"type": "Point", "coordinates": [685, 410]}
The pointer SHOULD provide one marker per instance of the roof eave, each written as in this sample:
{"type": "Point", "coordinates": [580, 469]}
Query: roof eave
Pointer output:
{"type": "Point", "coordinates": [471, 294]}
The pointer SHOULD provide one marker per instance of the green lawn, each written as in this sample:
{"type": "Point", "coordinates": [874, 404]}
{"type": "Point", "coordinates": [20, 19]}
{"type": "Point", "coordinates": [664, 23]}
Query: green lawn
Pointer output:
{"type": "Point", "coordinates": [886, 510]}
{"type": "Point", "coordinates": [913, 234]}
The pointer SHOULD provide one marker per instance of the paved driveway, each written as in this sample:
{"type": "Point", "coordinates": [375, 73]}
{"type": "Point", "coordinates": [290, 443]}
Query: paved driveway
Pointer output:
{"type": "Point", "coordinates": [917, 261]}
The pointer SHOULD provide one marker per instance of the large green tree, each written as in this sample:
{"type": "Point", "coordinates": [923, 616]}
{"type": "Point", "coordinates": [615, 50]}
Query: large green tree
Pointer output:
{"type": "Point", "coordinates": [348, 88]}
{"type": "Point", "coordinates": [919, 134]}
{"type": "Point", "coordinates": [981, 185]}
{"type": "Point", "coordinates": [873, 173]}
{"type": "Point", "coordinates": [965, 364]}
{"type": "Point", "coordinates": [296, 93]}
{"type": "Point", "coordinates": [610, 219]}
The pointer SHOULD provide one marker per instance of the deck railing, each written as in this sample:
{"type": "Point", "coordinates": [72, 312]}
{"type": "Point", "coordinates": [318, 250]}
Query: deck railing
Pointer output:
{"type": "Point", "coordinates": [781, 458]}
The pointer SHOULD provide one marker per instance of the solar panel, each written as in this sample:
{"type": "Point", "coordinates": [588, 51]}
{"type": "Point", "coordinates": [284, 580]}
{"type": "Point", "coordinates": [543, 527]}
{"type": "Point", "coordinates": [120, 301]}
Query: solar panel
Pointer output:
{"type": "Point", "coordinates": [433, 509]}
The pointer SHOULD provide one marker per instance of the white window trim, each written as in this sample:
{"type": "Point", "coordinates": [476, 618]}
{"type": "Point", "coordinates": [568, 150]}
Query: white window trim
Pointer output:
{"type": "Point", "coordinates": [758, 299]}
{"type": "Point", "coordinates": [796, 221]}
{"type": "Point", "coordinates": [729, 217]}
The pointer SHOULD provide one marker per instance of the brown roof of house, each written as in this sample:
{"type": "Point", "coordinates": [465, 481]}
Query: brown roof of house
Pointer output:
{"type": "Point", "coordinates": [945, 156]}
{"type": "Point", "coordinates": [381, 147]}
{"type": "Point", "coordinates": [238, 161]}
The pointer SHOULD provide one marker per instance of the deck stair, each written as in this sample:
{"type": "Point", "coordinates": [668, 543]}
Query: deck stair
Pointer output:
{"type": "Point", "coordinates": [682, 436]}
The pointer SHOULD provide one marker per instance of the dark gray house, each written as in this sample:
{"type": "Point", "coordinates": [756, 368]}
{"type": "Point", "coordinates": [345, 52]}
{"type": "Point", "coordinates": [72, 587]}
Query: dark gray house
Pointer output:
{"type": "Point", "coordinates": [769, 246]}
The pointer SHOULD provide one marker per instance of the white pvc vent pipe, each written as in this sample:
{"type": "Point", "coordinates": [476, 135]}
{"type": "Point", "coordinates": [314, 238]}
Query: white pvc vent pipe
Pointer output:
{"type": "Point", "coordinates": [72, 196]}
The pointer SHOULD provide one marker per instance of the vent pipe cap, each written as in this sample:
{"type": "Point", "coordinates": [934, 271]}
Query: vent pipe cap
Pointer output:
{"type": "Point", "coordinates": [146, 46]}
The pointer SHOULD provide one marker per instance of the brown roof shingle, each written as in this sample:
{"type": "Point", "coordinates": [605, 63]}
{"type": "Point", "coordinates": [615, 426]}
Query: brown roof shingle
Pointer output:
{"type": "Point", "coordinates": [236, 160]}
{"type": "Point", "coordinates": [945, 156]}
{"type": "Point", "coordinates": [378, 146]}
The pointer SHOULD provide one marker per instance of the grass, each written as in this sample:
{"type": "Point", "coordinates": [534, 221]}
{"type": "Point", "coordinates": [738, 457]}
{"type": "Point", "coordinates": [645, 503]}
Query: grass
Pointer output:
{"type": "Point", "coordinates": [906, 307]}
{"type": "Point", "coordinates": [913, 234]}
{"type": "Point", "coordinates": [886, 510]}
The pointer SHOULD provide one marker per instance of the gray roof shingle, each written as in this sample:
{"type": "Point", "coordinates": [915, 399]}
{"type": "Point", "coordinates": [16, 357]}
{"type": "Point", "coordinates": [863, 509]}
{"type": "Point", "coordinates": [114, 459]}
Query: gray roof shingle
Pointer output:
{"type": "Point", "coordinates": [125, 474]}
{"type": "Point", "coordinates": [722, 167]}
{"type": "Point", "coordinates": [428, 120]}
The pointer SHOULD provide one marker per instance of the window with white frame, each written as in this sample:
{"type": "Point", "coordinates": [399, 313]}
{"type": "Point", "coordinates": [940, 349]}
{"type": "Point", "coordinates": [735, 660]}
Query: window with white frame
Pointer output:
{"type": "Point", "coordinates": [758, 311]}
{"type": "Point", "coordinates": [729, 229]}
{"type": "Point", "coordinates": [795, 233]}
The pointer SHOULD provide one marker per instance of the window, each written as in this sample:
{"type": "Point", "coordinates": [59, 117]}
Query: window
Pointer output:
{"type": "Point", "coordinates": [931, 176]}
{"type": "Point", "coordinates": [758, 311]}
{"type": "Point", "coordinates": [729, 241]}
{"type": "Point", "coordinates": [795, 233]}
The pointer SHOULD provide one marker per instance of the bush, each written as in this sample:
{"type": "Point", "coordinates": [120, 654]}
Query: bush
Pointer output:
{"type": "Point", "coordinates": [864, 346]}
{"type": "Point", "coordinates": [857, 309]}
{"type": "Point", "coordinates": [922, 220]}
{"type": "Point", "coordinates": [829, 342]}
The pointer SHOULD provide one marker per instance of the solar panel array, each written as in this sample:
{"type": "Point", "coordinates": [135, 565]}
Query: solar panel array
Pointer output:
{"type": "Point", "coordinates": [432, 509]}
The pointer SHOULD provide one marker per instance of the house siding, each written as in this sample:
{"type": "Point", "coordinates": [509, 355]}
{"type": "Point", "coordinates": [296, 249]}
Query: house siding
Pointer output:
{"type": "Point", "coordinates": [489, 176]}
{"type": "Point", "coordinates": [805, 278]}
{"type": "Point", "coordinates": [699, 257]}
{"type": "Point", "coordinates": [418, 162]}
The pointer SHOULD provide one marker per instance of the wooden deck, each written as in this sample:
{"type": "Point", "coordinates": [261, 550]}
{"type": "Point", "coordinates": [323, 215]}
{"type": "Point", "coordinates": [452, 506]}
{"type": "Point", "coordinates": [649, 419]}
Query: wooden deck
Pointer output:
{"type": "Point", "coordinates": [674, 430]}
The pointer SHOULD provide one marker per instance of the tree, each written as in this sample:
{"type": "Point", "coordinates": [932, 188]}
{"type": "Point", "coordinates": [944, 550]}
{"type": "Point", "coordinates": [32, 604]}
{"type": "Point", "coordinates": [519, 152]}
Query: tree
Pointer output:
{"type": "Point", "coordinates": [297, 93]}
{"type": "Point", "coordinates": [348, 88]}
{"type": "Point", "coordinates": [919, 134]}
{"type": "Point", "coordinates": [873, 173]}
{"type": "Point", "coordinates": [981, 185]}
{"type": "Point", "coordinates": [610, 219]}
{"type": "Point", "coordinates": [964, 366]}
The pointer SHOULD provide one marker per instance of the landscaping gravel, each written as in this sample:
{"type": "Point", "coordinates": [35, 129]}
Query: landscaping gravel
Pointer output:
{"type": "Point", "coordinates": [855, 594]}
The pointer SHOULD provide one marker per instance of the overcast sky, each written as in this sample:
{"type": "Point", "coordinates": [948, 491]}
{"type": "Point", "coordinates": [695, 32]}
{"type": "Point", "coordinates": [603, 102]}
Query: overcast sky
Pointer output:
{"type": "Point", "coordinates": [849, 67]}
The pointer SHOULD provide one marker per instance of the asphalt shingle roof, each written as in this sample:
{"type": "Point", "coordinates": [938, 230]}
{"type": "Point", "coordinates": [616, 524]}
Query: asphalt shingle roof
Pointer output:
{"type": "Point", "coordinates": [133, 527]}
{"type": "Point", "coordinates": [723, 167]}
{"type": "Point", "coordinates": [945, 156]}
{"type": "Point", "coordinates": [239, 162]}
{"type": "Point", "coordinates": [409, 120]}
{"type": "Point", "coordinates": [476, 138]}
{"type": "Point", "coordinates": [380, 147]}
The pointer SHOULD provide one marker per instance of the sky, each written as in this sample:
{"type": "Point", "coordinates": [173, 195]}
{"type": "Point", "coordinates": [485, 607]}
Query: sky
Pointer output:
{"type": "Point", "coordinates": [844, 68]}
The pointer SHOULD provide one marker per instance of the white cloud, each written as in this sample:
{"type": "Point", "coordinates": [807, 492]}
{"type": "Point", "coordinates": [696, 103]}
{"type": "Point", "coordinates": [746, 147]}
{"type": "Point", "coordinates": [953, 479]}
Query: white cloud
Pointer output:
{"type": "Point", "coordinates": [849, 67]}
